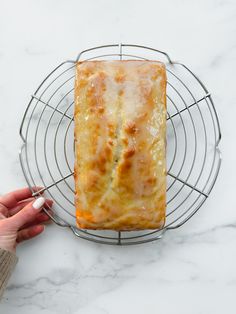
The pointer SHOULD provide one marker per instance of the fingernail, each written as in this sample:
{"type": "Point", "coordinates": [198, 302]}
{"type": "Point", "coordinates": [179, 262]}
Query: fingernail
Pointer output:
{"type": "Point", "coordinates": [38, 203]}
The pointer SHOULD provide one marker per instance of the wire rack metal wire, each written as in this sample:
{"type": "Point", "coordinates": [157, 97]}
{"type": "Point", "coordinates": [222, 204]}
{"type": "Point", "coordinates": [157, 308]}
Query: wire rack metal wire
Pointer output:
{"type": "Point", "coordinates": [193, 137]}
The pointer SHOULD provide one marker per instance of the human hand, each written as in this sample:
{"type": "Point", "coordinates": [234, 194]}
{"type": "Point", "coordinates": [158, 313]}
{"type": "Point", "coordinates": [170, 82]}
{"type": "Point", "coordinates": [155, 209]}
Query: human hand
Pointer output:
{"type": "Point", "coordinates": [21, 217]}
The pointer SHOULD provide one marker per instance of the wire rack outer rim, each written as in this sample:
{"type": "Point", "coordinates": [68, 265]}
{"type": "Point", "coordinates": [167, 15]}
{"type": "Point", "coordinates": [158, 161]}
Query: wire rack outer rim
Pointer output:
{"type": "Point", "coordinates": [58, 220]}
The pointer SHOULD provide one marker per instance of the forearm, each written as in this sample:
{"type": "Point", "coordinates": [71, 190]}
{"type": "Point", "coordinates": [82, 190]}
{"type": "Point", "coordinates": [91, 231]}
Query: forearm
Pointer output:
{"type": "Point", "coordinates": [8, 261]}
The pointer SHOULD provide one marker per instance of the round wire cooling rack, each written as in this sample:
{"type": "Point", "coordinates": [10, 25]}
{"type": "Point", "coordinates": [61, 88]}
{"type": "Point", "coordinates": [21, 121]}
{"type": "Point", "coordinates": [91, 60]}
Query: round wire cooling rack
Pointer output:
{"type": "Point", "coordinates": [193, 136]}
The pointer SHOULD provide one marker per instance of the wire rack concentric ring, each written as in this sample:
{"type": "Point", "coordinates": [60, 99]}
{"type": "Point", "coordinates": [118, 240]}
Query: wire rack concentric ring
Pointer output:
{"type": "Point", "coordinates": [193, 137]}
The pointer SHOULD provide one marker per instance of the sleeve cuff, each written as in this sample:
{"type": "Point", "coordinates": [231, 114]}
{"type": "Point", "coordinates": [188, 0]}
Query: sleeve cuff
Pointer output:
{"type": "Point", "coordinates": [8, 261]}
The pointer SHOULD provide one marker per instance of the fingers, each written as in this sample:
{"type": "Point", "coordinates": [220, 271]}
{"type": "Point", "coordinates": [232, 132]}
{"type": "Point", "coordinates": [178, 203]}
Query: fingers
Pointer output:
{"type": "Point", "coordinates": [22, 204]}
{"type": "Point", "coordinates": [11, 199]}
{"type": "Point", "coordinates": [29, 233]}
{"type": "Point", "coordinates": [28, 213]}
{"type": "Point", "coordinates": [39, 219]}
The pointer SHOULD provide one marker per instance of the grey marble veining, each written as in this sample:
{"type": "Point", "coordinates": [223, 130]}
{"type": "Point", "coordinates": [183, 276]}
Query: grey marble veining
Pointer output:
{"type": "Point", "coordinates": [192, 269]}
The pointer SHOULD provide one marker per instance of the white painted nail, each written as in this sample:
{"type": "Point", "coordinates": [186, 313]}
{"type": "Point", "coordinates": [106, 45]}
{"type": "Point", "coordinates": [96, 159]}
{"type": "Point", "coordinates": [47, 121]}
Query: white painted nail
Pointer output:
{"type": "Point", "coordinates": [38, 203]}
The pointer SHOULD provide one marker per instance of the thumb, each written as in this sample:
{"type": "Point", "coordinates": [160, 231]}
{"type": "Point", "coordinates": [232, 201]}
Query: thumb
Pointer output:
{"type": "Point", "coordinates": [28, 213]}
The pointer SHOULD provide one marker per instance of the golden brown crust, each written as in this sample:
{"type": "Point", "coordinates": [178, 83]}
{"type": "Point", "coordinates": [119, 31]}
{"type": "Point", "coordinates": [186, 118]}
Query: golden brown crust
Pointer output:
{"type": "Point", "coordinates": [120, 129]}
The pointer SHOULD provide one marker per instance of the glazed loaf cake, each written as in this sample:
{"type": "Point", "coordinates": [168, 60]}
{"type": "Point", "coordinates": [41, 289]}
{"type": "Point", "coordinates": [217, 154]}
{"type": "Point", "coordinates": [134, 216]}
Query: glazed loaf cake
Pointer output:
{"type": "Point", "coordinates": [120, 136]}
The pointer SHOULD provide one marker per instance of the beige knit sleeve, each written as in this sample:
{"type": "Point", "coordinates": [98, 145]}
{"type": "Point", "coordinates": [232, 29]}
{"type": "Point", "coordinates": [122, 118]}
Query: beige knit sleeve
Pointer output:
{"type": "Point", "coordinates": [8, 261]}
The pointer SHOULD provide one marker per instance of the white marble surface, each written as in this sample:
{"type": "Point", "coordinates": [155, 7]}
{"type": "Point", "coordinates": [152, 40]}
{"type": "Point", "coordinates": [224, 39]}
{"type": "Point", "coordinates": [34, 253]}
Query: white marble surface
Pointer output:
{"type": "Point", "coordinates": [192, 270]}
